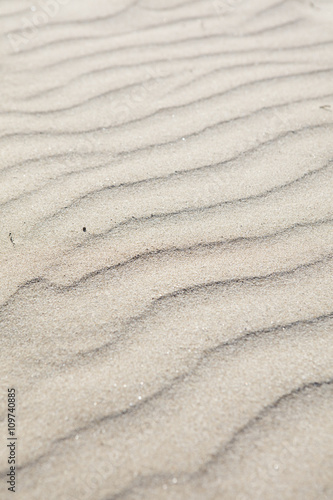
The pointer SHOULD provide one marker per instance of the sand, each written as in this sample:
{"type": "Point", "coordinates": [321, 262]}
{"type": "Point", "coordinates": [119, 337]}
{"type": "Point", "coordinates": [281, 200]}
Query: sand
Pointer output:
{"type": "Point", "coordinates": [166, 242]}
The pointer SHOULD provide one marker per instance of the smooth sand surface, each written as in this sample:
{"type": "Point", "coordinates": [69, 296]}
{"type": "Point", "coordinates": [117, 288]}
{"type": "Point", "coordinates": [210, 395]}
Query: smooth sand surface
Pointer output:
{"type": "Point", "coordinates": [166, 243]}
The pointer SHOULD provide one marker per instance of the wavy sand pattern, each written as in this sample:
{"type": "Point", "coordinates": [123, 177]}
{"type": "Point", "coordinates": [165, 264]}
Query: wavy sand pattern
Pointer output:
{"type": "Point", "coordinates": [166, 245]}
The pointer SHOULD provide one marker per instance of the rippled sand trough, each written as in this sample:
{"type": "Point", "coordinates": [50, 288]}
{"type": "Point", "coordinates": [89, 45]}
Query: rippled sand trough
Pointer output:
{"type": "Point", "coordinates": [166, 242]}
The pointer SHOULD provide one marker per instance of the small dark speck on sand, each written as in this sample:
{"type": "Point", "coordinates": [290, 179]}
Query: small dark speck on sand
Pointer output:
{"type": "Point", "coordinates": [84, 229]}
{"type": "Point", "coordinates": [327, 107]}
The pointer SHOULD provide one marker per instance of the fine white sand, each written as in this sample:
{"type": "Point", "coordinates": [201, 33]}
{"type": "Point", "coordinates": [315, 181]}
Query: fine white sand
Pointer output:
{"type": "Point", "coordinates": [166, 242]}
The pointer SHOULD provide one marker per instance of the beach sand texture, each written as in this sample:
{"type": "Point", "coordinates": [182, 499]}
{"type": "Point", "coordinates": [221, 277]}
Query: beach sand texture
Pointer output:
{"type": "Point", "coordinates": [166, 243]}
